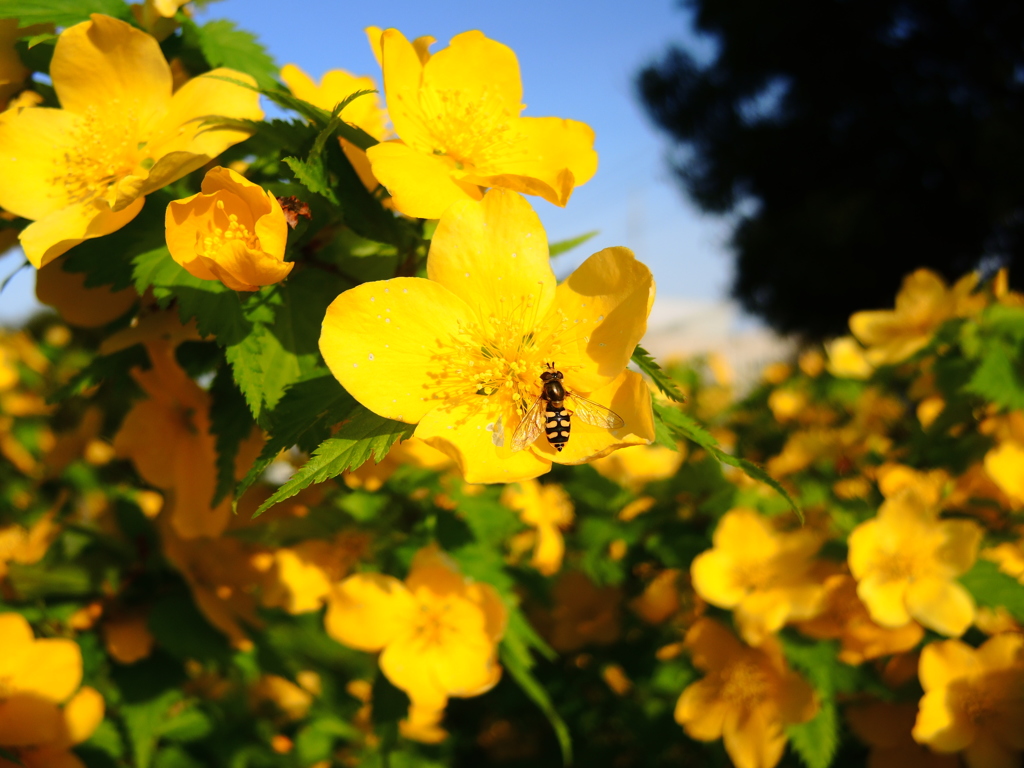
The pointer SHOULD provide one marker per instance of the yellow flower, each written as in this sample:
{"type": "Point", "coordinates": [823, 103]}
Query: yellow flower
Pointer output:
{"type": "Point", "coordinates": [303, 574]}
{"type": "Point", "coordinates": [83, 171]}
{"type": "Point", "coordinates": [906, 561]}
{"type": "Point", "coordinates": [746, 698]}
{"type": "Point", "coordinates": [457, 116]}
{"type": "Point", "coordinates": [461, 353]}
{"type": "Point", "coordinates": [922, 305]}
{"type": "Point", "coordinates": [438, 632]}
{"type": "Point", "coordinates": [334, 87]}
{"type": "Point", "coordinates": [36, 677]}
{"type": "Point", "coordinates": [974, 700]}
{"type": "Point", "coordinates": [886, 728]}
{"type": "Point", "coordinates": [78, 305]}
{"type": "Point", "coordinates": [765, 576]}
{"type": "Point", "coordinates": [127, 637]}
{"type": "Point", "coordinates": [26, 545]}
{"type": "Point", "coordinates": [157, 16]}
{"type": "Point", "coordinates": [845, 617]}
{"type": "Point", "coordinates": [233, 231]}
{"type": "Point", "coordinates": [639, 465]}
{"type": "Point", "coordinates": [548, 509]}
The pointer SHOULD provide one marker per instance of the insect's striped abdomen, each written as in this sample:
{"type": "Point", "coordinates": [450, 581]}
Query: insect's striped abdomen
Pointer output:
{"type": "Point", "coordinates": [557, 425]}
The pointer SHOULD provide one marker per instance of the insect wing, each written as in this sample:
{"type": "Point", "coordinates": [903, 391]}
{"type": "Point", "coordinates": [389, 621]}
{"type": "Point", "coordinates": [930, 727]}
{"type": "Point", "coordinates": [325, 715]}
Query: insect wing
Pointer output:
{"type": "Point", "coordinates": [530, 427]}
{"type": "Point", "coordinates": [591, 413]}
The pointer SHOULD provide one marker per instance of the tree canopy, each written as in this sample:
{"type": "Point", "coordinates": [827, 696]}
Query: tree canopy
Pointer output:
{"type": "Point", "coordinates": [853, 142]}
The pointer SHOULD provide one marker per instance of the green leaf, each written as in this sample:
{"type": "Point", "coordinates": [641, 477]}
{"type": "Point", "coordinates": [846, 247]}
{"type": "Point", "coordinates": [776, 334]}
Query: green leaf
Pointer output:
{"type": "Point", "coordinates": [515, 656]}
{"type": "Point", "coordinates": [564, 246]}
{"type": "Point", "coordinates": [187, 725]}
{"type": "Point", "coordinates": [303, 417]}
{"type": "Point", "coordinates": [62, 13]}
{"type": "Point", "coordinates": [363, 435]}
{"type": "Point", "coordinates": [684, 427]}
{"type": "Point", "coordinates": [1000, 377]}
{"type": "Point", "coordinates": [312, 174]}
{"type": "Point", "coordinates": [661, 380]}
{"type": "Point", "coordinates": [182, 631]}
{"type": "Point", "coordinates": [142, 721]}
{"type": "Point", "coordinates": [224, 45]}
{"type": "Point", "coordinates": [992, 588]}
{"type": "Point", "coordinates": [230, 424]}
{"type": "Point", "coordinates": [283, 343]}
{"type": "Point", "coordinates": [816, 740]}
{"type": "Point", "coordinates": [100, 369]}
{"type": "Point", "coordinates": [216, 308]}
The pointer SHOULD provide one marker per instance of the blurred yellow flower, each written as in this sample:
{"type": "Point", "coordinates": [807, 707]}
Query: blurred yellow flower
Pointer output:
{"type": "Point", "coordinates": [922, 305]}
{"type": "Point", "coordinates": [26, 545]}
{"type": "Point", "coordinates": [906, 561]}
{"type": "Point", "coordinates": [844, 617]}
{"type": "Point", "coordinates": [303, 574]}
{"type": "Point", "coordinates": [84, 171]}
{"type": "Point", "coordinates": [457, 116]}
{"type": "Point", "coordinates": [766, 577]}
{"type": "Point", "coordinates": [461, 353]}
{"type": "Point", "coordinates": [847, 359]}
{"type": "Point", "coordinates": [438, 631]}
{"type": "Point", "coordinates": [747, 697]}
{"type": "Point", "coordinates": [548, 509]}
{"type": "Point", "coordinates": [233, 231]}
{"type": "Point", "coordinates": [12, 71]}
{"type": "Point", "coordinates": [974, 700]}
{"type": "Point", "coordinates": [157, 16]}
{"type": "Point", "coordinates": [635, 466]}
{"type": "Point", "coordinates": [75, 303]}
{"type": "Point", "coordinates": [127, 637]}
{"type": "Point", "coordinates": [583, 613]}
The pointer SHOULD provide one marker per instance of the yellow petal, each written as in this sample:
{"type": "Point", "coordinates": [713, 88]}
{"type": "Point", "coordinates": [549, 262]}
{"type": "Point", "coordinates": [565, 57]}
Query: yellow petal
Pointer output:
{"type": "Point", "coordinates": [366, 611]}
{"type": "Point", "coordinates": [403, 75]}
{"type": "Point", "coordinates": [335, 86]}
{"type": "Point", "coordinates": [607, 299]}
{"type": "Point", "coordinates": [408, 664]}
{"type": "Point", "coordinates": [423, 724]}
{"type": "Point", "coordinates": [464, 430]}
{"type": "Point", "coordinates": [960, 550]}
{"type": "Point", "coordinates": [1003, 651]}
{"type": "Point", "coordinates": [50, 237]}
{"type": "Point", "coordinates": [701, 711]}
{"type": "Point", "coordinates": [1005, 465]}
{"type": "Point", "coordinates": [753, 739]}
{"type": "Point", "coordinates": [941, 605]}
{"type": "Point", "coordinates": [15, 637]}
{"type": "Point", "coordinates": [938, 727]}
{"type": "Point", "coordinates": [482, 71]}
{"type": "Point", "coordinates": [714, 575]}
{"type": "Point", "coordinates": [83, 715]}
{"type": "Point", "coordinates": [884, 599]}
{"type": "Point", "coordinates": [547, 557]}
{"type": "Point", "coordinates": [106, 64]}
{"type": "Point", "coordinates": [245, 269]}
{"type": "Point", "coordinates": [630, 398]}
{"type": "Point", "coordinates": [387, 341]}
{"type": "Point", "coordinates": [180, 142]}
{"type": "Point", "coordinates": [944, 663]}
{"type": "Point", "coordinates": [36, 143]}
{"type": "Point", "coordinates": [493, 254]}
{"type": "Point", "coordinates": [551, 157]}
{"type": "Point", "coordinates": [50, 669]}
{"type": "Point", "coordinates": [420, 184]}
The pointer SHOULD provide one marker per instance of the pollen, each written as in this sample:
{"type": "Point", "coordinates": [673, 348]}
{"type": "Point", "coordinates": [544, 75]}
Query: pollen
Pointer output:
{"type": "Point", "coordinates": [224, 228]}
{"type": "Point", "coordinates": [101, 153]}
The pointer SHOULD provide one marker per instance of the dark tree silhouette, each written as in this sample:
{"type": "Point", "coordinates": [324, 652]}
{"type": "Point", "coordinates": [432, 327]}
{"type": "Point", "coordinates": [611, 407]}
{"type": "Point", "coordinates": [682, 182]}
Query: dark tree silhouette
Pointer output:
{"type": "Point", "coordinates": [855, 140]}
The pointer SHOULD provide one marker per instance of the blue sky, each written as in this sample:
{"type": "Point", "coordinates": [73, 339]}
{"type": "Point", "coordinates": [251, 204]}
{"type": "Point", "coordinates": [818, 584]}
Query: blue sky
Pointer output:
{"type": "Point", "coordinates": [579, 59]}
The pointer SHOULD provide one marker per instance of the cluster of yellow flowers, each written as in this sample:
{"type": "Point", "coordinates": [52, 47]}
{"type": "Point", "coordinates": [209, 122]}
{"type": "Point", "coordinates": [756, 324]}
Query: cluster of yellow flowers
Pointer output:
{"type": "Point", "coordinates": [882, 609]}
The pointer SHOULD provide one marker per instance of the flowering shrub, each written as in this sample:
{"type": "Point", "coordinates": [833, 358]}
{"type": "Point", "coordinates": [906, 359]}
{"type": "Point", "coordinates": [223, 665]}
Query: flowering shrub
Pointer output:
{"type": "Point", "coordinates": [292, 477]}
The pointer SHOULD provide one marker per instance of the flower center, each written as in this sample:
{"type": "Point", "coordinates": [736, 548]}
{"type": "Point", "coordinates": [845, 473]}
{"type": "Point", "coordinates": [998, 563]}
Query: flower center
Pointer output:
{"type": "Point", "coordinates": [223, 230]}
{"type": "Point", "coordinates": [505, 356]}
{"type": "Point", "coordinates": [431, 623]}
{"type": "Point", "coordinates": [102, 153]}
{"type": "Point", "coordinates": [746, 684]}
{"type": "Point", "coordinates": [476, 132]}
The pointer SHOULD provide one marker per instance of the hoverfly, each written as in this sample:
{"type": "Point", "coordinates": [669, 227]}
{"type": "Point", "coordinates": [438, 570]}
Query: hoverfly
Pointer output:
{"type": "Point", "coordinates": [549, 414]}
